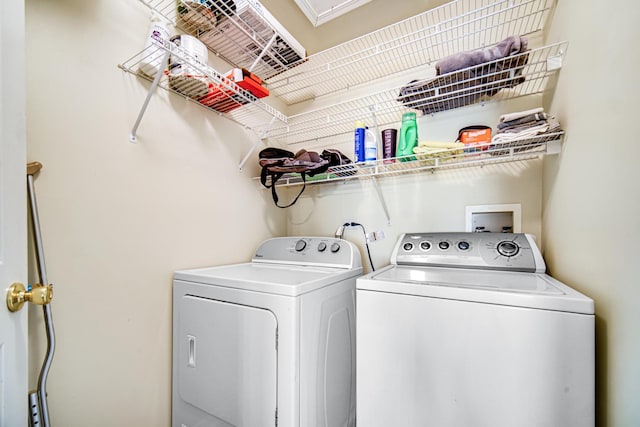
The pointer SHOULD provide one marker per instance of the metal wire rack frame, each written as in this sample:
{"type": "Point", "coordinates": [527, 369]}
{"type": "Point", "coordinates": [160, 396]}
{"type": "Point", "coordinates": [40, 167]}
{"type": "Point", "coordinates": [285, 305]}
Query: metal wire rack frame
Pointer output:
{"type": "Point", "coordinates": [413, 44]}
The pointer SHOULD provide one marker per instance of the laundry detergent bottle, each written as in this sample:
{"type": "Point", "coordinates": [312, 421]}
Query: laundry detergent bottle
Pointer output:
{"type": "Point", "coordinates": [408, 137]}
{"type": "Point", "coordinates": [370, 146]}
{"type": "Point", "coordinates": [358, 141]}
{"type": "Point", "coordinates": [157, 36]}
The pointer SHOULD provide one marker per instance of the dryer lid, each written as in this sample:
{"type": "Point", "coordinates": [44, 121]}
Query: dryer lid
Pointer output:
{"type": "Point", "coordinates": [532, 290]}
{"type": "Point", "coordinates": [278, 279]}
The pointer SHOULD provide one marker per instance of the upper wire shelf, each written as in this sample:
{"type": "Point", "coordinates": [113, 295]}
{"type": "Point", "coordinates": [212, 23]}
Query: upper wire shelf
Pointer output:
{"type": "Point", "coordinates": [242, 32]}
{"type": "Point", "coordinates": [450, 158]}
{"type": "Point", "coordinates": [518, 75]}
{"type": "Point", "coordinates": [458, 26]}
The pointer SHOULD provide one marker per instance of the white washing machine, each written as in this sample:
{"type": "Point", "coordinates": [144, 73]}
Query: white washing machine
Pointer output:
{"type": "Point", "coordinates": [270, 342]}
{"type": "Point", "coordinates": [466, 329]}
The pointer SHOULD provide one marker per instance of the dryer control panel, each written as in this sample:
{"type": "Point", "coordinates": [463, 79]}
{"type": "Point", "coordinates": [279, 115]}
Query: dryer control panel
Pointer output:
{"type": "Point", "coordinates": [492, 251]}
{"type": "Point", "coordinates": [312, 251]}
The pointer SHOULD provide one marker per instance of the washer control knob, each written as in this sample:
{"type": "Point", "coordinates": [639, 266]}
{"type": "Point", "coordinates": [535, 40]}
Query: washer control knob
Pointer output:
{"type": "Point", "coordinates": [425, 246]}
{"type": "Point", "coordinates": [322, 246]}
{"type": "Point", "coordinates": [408, 247]}
{"type": "Point", "coordinates": [300, 245]}
{"type": "Point", "coordinates": [508, 248]}
{"type": "Point", "coordinates": [444, 245]}
{"type": "Point", "coordinates": [463, 245]}
{"type": "Point", "coordinates": [335, 247]}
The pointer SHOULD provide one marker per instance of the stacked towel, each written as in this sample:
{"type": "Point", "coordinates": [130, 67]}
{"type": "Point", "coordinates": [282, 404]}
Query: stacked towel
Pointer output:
{"type": "Point", "coordinates": [521, 126]}
{"type": "Point", "coordinates": [443, 150]}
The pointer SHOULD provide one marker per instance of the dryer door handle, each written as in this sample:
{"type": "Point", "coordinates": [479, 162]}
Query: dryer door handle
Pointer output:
{"type": "Point", "coordinates": [191, 357]}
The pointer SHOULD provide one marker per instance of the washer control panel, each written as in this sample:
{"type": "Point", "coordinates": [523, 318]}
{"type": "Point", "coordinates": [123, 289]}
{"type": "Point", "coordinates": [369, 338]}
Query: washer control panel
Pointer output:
{"type": "Point", "coordinates": [492, 251]}
{"type": "Point", "coordinates": [317, 251]}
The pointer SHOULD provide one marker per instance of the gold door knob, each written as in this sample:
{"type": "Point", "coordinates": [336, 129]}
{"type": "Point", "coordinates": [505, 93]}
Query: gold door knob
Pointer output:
{"type": "Point", "coordinates": [17, 295]}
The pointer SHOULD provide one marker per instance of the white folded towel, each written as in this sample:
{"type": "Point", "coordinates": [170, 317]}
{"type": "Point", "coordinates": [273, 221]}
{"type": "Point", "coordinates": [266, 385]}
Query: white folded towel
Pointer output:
{"type": "Point", "coordinates": [528, 133]}
{"type": "Point", "coordinates": [513, 116]}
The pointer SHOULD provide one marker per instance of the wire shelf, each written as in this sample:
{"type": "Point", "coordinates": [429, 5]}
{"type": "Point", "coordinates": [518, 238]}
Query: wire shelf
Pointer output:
{"type": "Point", "coordinates": [457, 26]}
{"type": "Point", "coordinates": [519, 75]}
{"type": "Point", "coordinates": [242, 32]}
{"type": "Point", "coordinates": [246, 36]}
{"type": "Point", "coordinates": [452, 158]}
{"type": "Point", "coordinates": [206, 87]}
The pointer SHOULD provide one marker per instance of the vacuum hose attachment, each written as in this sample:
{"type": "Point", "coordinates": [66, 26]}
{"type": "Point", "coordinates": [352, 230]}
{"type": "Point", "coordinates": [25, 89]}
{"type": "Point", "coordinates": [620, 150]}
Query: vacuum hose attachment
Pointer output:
{"type": "Point", "coordinates": [34, 409]}
{"type": "Point", "coordinates": [38, 407]}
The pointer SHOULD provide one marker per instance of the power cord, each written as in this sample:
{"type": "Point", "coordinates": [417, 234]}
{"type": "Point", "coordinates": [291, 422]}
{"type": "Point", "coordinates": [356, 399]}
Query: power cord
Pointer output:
{"type": "Point", "coordinates": [340, 232]}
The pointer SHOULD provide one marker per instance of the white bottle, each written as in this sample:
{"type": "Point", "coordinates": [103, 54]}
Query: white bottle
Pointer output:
{"type": "Point", "coordinates": [151, 62]}
{"type": "Point", "coordinates": [370, 146]}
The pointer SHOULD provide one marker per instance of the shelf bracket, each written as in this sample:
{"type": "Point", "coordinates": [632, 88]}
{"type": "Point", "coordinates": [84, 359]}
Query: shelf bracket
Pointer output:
{"type": "Point", "coordinates": [265, 51]}
{"type": "Point", "coordinates": [381, 199]}
{"type": "Point", "coordinates": [154, 85]}
{"type": "Point", "coordinates": [263, 135]}
{"type": "Point", "coordinates": [249, 153]}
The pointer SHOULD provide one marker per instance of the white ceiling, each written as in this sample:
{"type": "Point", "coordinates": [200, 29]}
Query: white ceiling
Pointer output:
{"type": "Point", "coordinates": [372, 15]}
{"type": "Point", "coordinates": [320, 11]}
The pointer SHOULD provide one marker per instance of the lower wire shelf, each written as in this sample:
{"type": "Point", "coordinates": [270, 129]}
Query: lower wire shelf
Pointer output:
{"type": "Point", "coordinates": [450, 158]}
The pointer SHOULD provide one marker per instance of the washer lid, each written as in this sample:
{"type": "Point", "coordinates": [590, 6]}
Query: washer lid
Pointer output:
{"type": "Point", "coordinates": [532, 290]}
{"type": "Point", "coordinates": [278, 279]}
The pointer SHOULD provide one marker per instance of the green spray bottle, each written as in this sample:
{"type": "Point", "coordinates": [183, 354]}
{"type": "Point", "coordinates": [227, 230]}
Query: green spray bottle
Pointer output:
{"type": "Point", "coordinates": [408, 137]}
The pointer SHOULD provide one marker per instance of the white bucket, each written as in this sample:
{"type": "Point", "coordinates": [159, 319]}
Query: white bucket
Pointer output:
{"type": "Point", "coordinates": [189, 77]}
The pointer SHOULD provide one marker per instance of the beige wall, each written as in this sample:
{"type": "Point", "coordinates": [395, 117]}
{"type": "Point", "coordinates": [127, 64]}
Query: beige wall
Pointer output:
{"type": "Point", "coordinates": [118, 218]}
{"type": "Point", "coordinates": [591, 205]}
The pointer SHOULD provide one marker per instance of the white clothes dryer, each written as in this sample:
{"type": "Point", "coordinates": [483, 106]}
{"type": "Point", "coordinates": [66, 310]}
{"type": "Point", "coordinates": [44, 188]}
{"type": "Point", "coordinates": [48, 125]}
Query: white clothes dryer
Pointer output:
{"type": "Point", "coordinates": [270, 342]}
{"type": "Point", "coordinates": [466, 329]}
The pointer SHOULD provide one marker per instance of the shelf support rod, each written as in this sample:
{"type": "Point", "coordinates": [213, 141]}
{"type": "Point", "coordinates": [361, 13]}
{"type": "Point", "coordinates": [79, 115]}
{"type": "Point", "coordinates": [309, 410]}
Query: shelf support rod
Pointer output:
{"type": "Point", "coordinates": [264, 52]}
{"type": "Point", "coordinates": [263, 135]}
{"type": "Point", "coordinates": [381, 199]}
{"type": "Point", "coordinates": [154, 85]}
{"type": "Point", "coordinates": [246, 157]}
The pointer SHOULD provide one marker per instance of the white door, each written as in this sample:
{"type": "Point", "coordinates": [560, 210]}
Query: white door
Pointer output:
{"type": "Point", "coordinates": [13, 217]}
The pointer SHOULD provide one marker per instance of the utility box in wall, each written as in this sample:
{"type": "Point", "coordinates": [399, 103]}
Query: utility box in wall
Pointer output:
{"type": "Point", "coordinates": [494, 218]}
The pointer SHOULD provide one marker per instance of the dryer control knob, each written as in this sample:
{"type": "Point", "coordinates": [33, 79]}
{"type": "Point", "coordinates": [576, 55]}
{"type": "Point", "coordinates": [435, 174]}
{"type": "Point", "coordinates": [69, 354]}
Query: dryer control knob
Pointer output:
{"type": "Point", "coordinates": [335, 247]}
{"type": "Point", "coordinates": [508, 248]}
{"type": "Point", "coordinates": [300, 245]}
{"type": "Point", "coordinates": [463, 245]}
{"type": "Point", "coordinates": [322, 246]}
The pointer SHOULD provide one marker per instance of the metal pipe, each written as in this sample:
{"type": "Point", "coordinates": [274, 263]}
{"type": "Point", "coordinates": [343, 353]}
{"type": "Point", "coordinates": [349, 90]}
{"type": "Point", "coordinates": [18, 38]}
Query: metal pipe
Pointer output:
{"type": "Point", "coordinates": [33, 168]}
